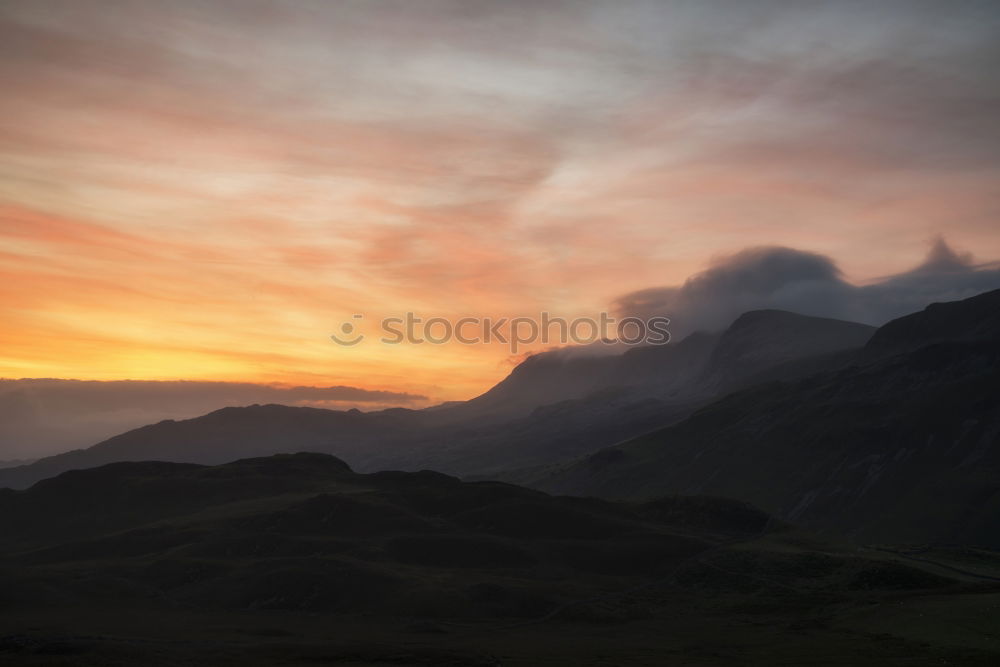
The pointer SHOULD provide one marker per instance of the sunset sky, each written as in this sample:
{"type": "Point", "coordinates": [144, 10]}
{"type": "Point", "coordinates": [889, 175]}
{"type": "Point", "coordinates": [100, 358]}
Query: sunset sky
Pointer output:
{"type": "Point", "coordinates": [207, 189]}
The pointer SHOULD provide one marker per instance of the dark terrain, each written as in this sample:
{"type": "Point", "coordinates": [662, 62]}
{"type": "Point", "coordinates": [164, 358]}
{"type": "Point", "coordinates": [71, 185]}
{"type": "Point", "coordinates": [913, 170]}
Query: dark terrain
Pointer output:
{"type": "Point", "coordinates": [900, 445]}
{"type": "Point", "coordinates": [296, 560]}
{"type": "Point", "coordinates": [874, 457]}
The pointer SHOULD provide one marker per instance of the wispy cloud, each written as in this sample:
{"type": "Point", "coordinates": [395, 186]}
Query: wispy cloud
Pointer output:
{"type": "Point", "coordinates": [203, 189]}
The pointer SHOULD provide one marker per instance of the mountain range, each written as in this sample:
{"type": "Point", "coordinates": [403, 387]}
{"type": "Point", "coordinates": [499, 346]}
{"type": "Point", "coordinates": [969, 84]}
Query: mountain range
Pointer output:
{"type": "Point", "coordinates": [878, 435]}
{"type": "Point", "coordinates": [900, 445]}
{"type": "Point", "coordinates": [553, 406]}
{"type": "Point", "coordinates": [791, 489]}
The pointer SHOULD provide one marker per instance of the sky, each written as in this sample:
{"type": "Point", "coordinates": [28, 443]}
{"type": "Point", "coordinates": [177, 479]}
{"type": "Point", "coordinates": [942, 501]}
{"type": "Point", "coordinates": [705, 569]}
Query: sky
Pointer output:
{"type": "Point", "coordinates": [206, 190]}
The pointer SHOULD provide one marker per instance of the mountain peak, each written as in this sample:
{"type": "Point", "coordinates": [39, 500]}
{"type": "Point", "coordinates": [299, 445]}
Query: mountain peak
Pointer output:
{"type": "Point", "coordinates": [975, 318]}
{"type": "Point", "coordinates": [762, 339]}
{"type": "Point", "coordinates": [772, 316]}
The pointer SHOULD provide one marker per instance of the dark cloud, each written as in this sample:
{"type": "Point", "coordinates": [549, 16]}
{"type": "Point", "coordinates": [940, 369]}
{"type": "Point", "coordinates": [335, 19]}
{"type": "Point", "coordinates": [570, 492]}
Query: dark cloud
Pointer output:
{"type": "Point", "coordinates": [43, 416]}
{"type": "Point", "coordinates": [807, 283]}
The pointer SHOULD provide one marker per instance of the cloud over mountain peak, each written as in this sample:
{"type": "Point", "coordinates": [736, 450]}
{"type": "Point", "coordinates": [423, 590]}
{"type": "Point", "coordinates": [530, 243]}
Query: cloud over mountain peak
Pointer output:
{"type": "Point", "coordinates": [808, 283]}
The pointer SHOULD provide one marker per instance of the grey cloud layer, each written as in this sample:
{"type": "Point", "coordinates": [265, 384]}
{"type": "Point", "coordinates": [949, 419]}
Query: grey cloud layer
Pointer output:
{"type": "Point", "coordinates": [554, 68]}
{"type": "Point", "coordinates": [807, 283]}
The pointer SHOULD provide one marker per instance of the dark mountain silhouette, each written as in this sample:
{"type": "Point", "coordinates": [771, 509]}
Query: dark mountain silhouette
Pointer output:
{"type": "Point", "coordinates": [295, 559]}
{"type": "Point", "coordinates": [553, 407]}
{"type": "Point", "coordinates": [227, 434]}
{"type": "Point", "coordinates": [561, 375]}
{"type": "Point", "coordinates": [541, 379]}
{"type": "Point", "coordinates": [46, 416]}
{"type": "Point", "coordinates": [973, 319]}
{"type": "Point", "coordinates": [901, 446]}
{"type": "Point", "coordinates": [16, 462]}
{"type": "Point", "coordinates": [700, 364]}
{"type": "Point", "coordinates": [762, 340]}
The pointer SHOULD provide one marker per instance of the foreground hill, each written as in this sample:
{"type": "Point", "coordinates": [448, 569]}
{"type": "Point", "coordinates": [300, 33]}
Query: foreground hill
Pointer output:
{"type": "Point", "coordinates": [901, 446]}
{"type": "Point", "coordinates": [553, 407]}
{"type": "Point", "coordinates": [295, 559]}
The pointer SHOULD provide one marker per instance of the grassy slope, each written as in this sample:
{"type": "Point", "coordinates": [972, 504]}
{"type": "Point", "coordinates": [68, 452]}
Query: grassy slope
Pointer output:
{"type": "Point", "coordinates": [295, 560]}
{"type": "Point", "coordinates": [901, 450]}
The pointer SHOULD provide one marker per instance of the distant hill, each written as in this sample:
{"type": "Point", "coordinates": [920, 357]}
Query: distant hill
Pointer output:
{"type": "Point", "coordinates": [227, 434]}
{"type": "Point", "coordinates": [902, 445]}
{"type": "Point", "coordinates": [16, 462]}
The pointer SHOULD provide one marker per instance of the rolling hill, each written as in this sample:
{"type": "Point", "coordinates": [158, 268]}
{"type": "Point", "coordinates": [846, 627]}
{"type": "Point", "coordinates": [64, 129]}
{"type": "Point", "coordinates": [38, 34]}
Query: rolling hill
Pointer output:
{"type": "Point", "coordinates": [297, 560]}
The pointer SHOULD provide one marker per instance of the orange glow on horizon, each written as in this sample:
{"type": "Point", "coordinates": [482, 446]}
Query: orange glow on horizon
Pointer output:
{"type": "Point", "coordinates": [193, 192]}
